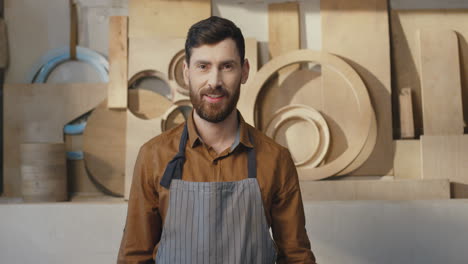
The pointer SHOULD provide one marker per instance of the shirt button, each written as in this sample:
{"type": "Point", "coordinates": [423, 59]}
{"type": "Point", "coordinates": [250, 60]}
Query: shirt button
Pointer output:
{"type": "Point", "coordinates": [215, 162]}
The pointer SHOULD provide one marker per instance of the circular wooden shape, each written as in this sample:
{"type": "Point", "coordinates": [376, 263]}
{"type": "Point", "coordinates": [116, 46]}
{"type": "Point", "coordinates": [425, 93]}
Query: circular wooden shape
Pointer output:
{"type": "Point", "coordinates": [356, 143]}
{"type": "Point", "coordinates": [44, 172]}
{"type": "Point", "coordinates": [176, 114]}
{"type": "Point", "coordinates": [287, 134]}
{"type": "Point", "coordinates": [308, 137]}
{"type": "Point", "coordinates": [147, 104]}
{"type": "Point", "coordinates": [104, 138]}
{"type": "Point", "coordinates": [164, 87]}
{"type": "Point", "coordinates": [176, 72]}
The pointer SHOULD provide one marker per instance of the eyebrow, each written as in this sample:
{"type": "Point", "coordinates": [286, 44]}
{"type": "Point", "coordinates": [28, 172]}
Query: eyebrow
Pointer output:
{"type": "Point", "coordinates": [208, 62]}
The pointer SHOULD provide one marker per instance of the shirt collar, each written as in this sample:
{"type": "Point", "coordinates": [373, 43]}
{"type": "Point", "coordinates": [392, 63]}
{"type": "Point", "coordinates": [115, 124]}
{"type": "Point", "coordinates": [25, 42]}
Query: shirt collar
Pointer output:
{"type": "Point", "coordinates": [242, 133]}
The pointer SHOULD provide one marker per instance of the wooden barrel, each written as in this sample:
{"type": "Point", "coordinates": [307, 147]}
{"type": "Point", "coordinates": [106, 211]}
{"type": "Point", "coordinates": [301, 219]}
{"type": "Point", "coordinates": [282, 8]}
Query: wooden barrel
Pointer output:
{"type": "Point", "coordinates": [44, 172]}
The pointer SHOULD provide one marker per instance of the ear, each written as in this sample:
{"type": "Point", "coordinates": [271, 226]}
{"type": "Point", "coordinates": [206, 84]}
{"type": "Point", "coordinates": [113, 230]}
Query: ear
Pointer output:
{"type": "Point", "coordinates": [245, 71]}
{"type": "Point", "coordinates": [186, 73]}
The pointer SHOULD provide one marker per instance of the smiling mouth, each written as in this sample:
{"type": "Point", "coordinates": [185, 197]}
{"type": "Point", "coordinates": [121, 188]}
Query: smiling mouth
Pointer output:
{"type": "Point", "coordinates": [213, 98]}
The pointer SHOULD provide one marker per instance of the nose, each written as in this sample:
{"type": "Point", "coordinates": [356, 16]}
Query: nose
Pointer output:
{"type": "Point", "coordinates": [214, 78]}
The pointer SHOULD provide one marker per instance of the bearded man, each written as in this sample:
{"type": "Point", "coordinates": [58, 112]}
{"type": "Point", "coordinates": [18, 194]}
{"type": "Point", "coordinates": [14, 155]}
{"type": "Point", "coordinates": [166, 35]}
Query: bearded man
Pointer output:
{"type": "Point", "coordinates": [211, 189]}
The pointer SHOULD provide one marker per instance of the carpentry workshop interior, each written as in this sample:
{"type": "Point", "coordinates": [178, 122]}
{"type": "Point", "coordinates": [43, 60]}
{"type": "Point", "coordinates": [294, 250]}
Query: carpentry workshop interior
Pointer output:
{"type": "Point", "coordinates": [369, 96]}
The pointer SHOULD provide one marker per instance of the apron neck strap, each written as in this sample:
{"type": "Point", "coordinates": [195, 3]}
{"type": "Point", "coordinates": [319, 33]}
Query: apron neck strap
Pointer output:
{"type": "Point", "coordinates": [175, 166]}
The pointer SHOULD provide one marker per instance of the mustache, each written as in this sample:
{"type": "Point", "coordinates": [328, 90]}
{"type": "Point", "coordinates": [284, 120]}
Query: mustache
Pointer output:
{"type": "Point", "coordinates": [219, 90]}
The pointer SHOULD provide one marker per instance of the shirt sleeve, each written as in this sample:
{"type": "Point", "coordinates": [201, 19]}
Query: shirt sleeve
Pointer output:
{"type": "Point", "coordinates": [288, 220]}
{"type": "Point", "coordinates": [143, 225]}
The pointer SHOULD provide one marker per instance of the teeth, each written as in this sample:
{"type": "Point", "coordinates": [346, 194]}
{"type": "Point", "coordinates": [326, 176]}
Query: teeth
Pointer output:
{"type": "Point", "coordinates": [215, 95]}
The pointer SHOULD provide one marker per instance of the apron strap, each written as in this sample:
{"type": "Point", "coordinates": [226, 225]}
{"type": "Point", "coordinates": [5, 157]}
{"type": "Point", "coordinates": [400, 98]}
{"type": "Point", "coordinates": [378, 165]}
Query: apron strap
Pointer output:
{"type": "Point", "coordinates": [251, 160]}
{"type": "Point", "coordinates": [175, 166]}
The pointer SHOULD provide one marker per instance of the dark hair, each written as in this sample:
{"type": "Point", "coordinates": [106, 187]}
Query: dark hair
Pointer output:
{"type": "Point", "coordinates": [211, 31]}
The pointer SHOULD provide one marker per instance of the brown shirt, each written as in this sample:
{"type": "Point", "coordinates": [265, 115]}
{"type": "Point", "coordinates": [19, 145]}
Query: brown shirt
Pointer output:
{"type": "Point", "coordinates": [276, 176]}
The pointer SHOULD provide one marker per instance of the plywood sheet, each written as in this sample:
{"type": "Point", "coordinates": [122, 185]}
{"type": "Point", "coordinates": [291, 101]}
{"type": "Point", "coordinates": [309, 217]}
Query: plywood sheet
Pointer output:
{"type": "Point", "coordinates": [141, 128]}
{"type": "Point", "coordinates": [440, 83]}
{"type": "Point", "coordinates": [166, 18]}
{"type": "Point", "coordinates": [375, 190]}
{"type": "Point", "coordinates": [104, 143]}
{"type": "Point", "coordinates": [104, 148]}
{"type": "Point", "coordinates": [445, 157]}
{"type": "Point", "coordinates": [283, 32]}
{"type": "Point", "coordinates": [118, 62]}
{"type": "Point", "coordinates": [38, 112]}
{"type": "Point", "coordinates": [139, 131]}
{"type": "Point", "coordinates": [407, 159]}
{"type": "Point", "coordinates": [283, 36]}
{"type": "Point", "coordinates": [363, 26]}
{"type": "Point", "coordinates": [405, 50]}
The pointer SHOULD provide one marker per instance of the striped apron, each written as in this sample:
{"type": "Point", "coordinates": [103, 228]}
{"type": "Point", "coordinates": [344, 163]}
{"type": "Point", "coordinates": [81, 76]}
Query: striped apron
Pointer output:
{"type": "Point", "coordinates": [214, 222]}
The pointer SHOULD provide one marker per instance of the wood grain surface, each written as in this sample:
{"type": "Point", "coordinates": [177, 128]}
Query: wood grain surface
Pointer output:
{"type": "Point", "coordinates": [118, 62]}
{"type": "Point", "coordinates": [38, 112]}
{"type": "Point", "coordinates": [358, 32]}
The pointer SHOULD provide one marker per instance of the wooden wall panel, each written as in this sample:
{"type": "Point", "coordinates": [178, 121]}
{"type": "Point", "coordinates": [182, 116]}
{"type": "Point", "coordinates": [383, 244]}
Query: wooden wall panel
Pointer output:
{"type": "Point", "coordinates": [405, 26]}
{"type": "Point", "coordinates": [283, 32]}
{"type": "Point", "coordinates": [38, 112]}
{"type": "Point", "coordinates": [440, 83]}
{"type": "Point", "coordinates": [358, 31]}
{"type": "Point", "coordinates": [165, 18]}
{"type": "Point", "coordinates": [407, 159]}
{"type": "Point", "coordinates": [445, 157]}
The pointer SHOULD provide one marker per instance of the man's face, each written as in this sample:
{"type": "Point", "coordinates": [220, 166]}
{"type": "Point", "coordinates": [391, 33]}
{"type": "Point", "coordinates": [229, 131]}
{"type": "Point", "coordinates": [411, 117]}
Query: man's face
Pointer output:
{"type": "Point", "coordinates": [214, 77]}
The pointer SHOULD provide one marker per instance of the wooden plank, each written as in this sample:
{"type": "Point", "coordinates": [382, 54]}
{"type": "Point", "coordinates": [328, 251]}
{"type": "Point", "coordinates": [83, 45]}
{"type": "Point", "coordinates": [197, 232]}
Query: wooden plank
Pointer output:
{"type": "Point", "coordinates": [366, 24]}
{"type": "Point", "coordinates": [407, 159]}
{"type": "Point", "coordinates": [104, 148]}
{"type": "Point", "coordinates": [406, 113]}
{"type": "Point", "coordinates": [165, 18]}
{"type": "Point", "coordinates": [104, 143]}
{"type": "Point", "coordinates": [28, 118]}
{"type": "Point", "coordinates": [283, 32]}
{"type": "Point", "coordinates": [140, 129]}
{"type": "Point", "coordinates": [405, 46]}
{"type": "Point", "coordinates": [118, 62]}
{"type": "Point", "coordinates": [375, 190]}
{"type": "Point", "coordinates": [284, 36]}
{"type": "Point", "coordinates": [78, 180]}
{"type": "Point", "coordinates": [440, 83]}
{"type": "Point", "coordinates": [445, 157]}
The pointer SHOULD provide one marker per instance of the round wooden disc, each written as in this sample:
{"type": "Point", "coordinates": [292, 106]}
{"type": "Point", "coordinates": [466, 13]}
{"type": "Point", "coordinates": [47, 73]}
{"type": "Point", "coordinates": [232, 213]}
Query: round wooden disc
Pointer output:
{"type": "Point", "coordinates": [176, 114]}
{"type": "Point", "coordinates": [176, 73]}
{"type": "Point", "coordinates": [364, 121]}
{"type": "Point", "coordinates": [309, 136]}
{"type": "Point", "coordinates": [105, 136]}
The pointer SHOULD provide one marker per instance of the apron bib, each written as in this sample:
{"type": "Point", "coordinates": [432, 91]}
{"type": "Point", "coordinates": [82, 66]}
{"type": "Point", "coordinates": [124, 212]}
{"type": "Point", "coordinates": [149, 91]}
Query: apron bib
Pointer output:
{"type": "Point", "coordinates": [214, 222]}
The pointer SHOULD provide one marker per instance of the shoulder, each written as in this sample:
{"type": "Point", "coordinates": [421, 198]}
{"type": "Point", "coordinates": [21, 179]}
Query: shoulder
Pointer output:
{"type": "Point", "coordinates": [166, 142]}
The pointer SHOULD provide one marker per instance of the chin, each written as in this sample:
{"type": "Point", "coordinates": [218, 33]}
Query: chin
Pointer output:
{"type": "Point", "coordinates": [214, 114]}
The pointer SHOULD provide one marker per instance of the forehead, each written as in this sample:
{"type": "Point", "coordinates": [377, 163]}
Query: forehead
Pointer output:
{"type": "Point", "coordinates": [221, 51]}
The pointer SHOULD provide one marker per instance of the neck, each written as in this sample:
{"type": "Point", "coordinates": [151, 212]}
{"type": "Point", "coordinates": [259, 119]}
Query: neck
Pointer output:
{"type": "Point", "coordinates": [220, 135]}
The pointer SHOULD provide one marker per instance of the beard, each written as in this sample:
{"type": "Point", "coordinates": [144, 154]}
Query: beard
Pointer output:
{"type": "Point", "coordinates": [214, 112]}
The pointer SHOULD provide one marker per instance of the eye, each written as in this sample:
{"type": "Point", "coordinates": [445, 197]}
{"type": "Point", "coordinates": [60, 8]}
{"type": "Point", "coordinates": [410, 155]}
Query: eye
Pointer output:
{"type": "Point", "coordinates": [202, 66]}
{"type": "Point", "coordinates": [228, 67]}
